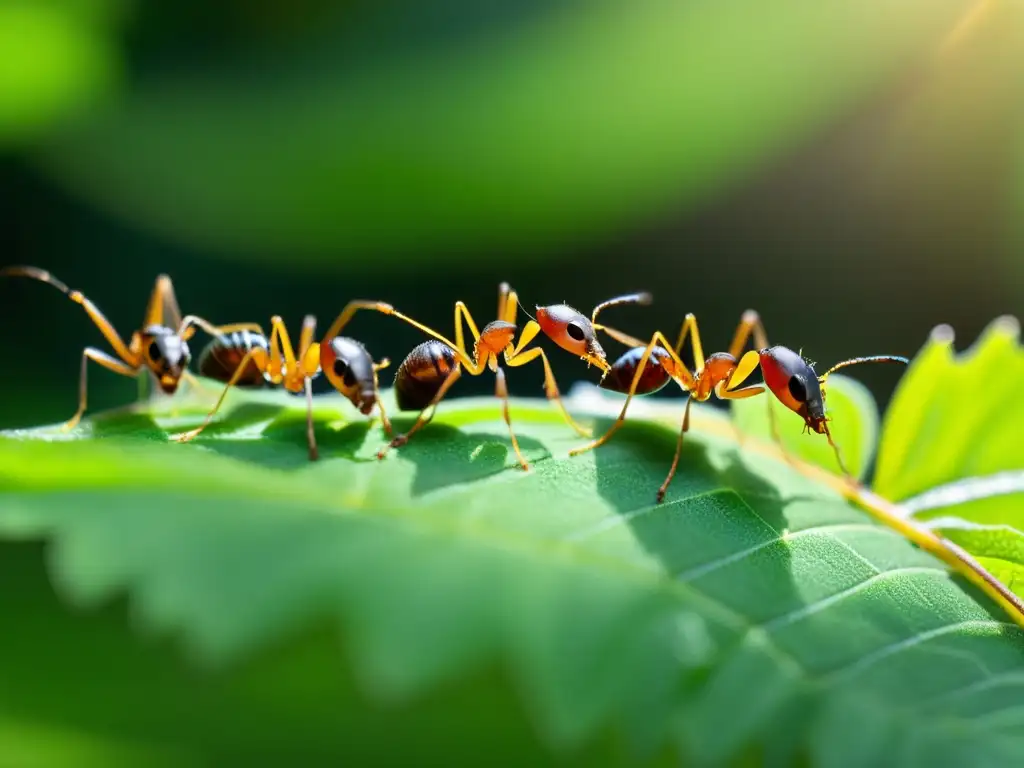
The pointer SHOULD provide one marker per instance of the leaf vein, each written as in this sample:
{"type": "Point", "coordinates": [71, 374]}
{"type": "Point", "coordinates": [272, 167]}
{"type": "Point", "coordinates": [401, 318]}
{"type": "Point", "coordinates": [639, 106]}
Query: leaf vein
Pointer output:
{"type": "Point", "coordinates": [734, 557]}
{"type": "Point", "coordinates": [821, 605]}
{"type": "Point", "coordinates": [992, 626]}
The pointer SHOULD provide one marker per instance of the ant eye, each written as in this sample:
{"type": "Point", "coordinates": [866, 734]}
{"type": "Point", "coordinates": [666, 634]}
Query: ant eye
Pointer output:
{"type": "Point", "coordinates": [797, 389]}
{"type": "Point", "coordinates": [575, 331]}
{"type": "Point", "coordinates": [154, 352]}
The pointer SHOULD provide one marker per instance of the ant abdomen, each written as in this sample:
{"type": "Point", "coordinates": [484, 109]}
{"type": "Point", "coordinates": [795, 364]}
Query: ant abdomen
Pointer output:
{"type": "Point", "coordinates": [653, 378]}
{"type": "Point", "coordinates": [422, 373]}
{"type": "Point", "coordinates": [221, 357]}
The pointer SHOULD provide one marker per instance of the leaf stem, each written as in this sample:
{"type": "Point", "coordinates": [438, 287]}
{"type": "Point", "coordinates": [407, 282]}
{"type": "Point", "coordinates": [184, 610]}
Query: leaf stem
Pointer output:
{"type": "Point", "coordinates": [889, 514]}
{"type": "Point", "coordinates": [955, 556]}
{"type": "Point", "coordinates": [892, 516]}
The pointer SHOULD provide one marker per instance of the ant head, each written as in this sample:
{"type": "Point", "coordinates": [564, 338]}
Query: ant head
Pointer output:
{"type": "Point", "coordinates": [573, 332]}
{"type": "Point", "coordinates": [166, 354]}
{"type": "Point", "coordinates": [349, 367]}
{"type": "Point", "coordinates": [793, 381]}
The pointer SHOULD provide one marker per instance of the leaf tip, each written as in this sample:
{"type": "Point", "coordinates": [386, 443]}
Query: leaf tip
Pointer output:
{"type": "Point", "coordinates": [1006, 325]}
{"type": "Point", "coordinates": [942, 334]}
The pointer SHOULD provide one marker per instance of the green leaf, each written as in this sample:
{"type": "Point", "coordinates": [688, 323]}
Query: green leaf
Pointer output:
{"type": "Point", "coordinates": [755, 613]}
{"type": "Point", "coordinates": [956, 416]}
{"type": "Point", "coordinates": [524, 129]}
{"type": "Point", "coordinates": [1000, 548]}
{"type": "Point", "coordinates": [854, 426]}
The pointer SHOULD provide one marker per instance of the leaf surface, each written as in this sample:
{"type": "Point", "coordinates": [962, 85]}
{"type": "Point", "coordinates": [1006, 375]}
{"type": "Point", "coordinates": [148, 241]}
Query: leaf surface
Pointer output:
{"type": "Point", "coordinates": [610, 614]}
{"type": "Point", "coordinates": [958, 416]}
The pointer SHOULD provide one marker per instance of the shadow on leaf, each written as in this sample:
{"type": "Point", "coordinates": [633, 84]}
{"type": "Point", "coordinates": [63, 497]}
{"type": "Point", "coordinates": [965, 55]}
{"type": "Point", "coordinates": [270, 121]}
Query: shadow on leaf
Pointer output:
{"type": "Point", "coordinates": [237, 419]}
{"type": "Point", "coordinates": [446, 456]}
{"type": "Point", "coordinates": [706, 531]}
{"type": "Point", "coordinates": [128, 424]}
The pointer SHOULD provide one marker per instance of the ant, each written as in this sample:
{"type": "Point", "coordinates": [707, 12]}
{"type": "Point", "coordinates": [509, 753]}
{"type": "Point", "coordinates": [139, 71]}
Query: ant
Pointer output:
{"type": "Point", "coordinates": [429, 371]}
{"type": "Point", "coordinates": [794, 383]}
{"type": "Point", "coordinates": [786, 374]}
{"type": "Point", "coordinates": [246, 358]}
{"type": "Point", "coordinates": [161, 346]}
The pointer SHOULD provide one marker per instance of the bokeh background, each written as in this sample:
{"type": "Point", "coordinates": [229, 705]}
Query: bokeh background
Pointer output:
{"type": "Point", "coordinates": [855, 171]}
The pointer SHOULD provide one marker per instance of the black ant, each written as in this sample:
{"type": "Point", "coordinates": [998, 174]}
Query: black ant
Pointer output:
{"type": "Point", "coordinates": [429, 371]}
{"type": "Point", "coordinates": [786, 374]}
{"type": "Point", "coordinates": [249, 358]}
{"type": "Point", "coordinates": [160, 346]}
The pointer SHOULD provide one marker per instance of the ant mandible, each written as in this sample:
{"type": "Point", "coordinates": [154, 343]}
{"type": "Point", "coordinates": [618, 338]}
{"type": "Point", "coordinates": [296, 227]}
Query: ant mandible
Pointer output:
{"type": "Point", "coordinates": [787, 375]}
{"type": "Point", "coordinates": [247, 358]}
{"type": "Point", "coordinates": [160, 346]}
{"type": "Point", "coordinates": [429, 371]}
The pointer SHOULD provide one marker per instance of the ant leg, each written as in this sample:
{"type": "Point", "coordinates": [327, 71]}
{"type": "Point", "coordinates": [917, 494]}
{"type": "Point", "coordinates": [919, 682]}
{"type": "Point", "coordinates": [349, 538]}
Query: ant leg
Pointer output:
{"type": "Point", "coordinates": [187, 327]}
{"type": "Point", "coordinates": [310, 429]}
{"type": "Point", "coordinates": [746, 366]}
{"type": "Point", "coordinates": [516, 359]}
{"type": "Point", "coordinates": [258, 356]}
{"type": "Point", "coordinates": [467, 362]}
{"type": "Point", "coordinates": [501, 391]}
{"type": "Point", "coordinates": [379, 306]}
{"type": "Point", "coordinates": [277, 324]}
{"type": "Point", "coordinates": [839, 458]}
{"type": "Point", "coordinates": [400, 440]}
{"type": "Point", "coordinates": [619, 336]}
{"type": "Point", "coordinates": [309, 351]}
{"type": "Point", "coordinates": [162, 308]}
{"type": "Point", "coordinates": [462, 315]}
{"type": "Point", "coordinates": [689, 328]}
{"type": "Point", "coordinates": [739, 394]}
{"type": "Point", "coordinates": [508, 303]}
{"type": "Point", "coordinates": [352, 307]}
{"type": "Point", "coordinates": [384, 421]}
{"type": "Point", "coordinates": [725, 393]}
{"type": "Point", "coordinates": [306, 336]}
{"type": "Point", "coordinates": [108, 362]}
{"type": "Point", "coordinates": [681, 377]}
{"type": "Point", "coordinates": [751, 325]}
{"type": "Point", "coordinates": [282, 356]}
{"type": "Point", "coordinates": [130, 358]}
{"type": "Point", "coordinates": [679, 449]}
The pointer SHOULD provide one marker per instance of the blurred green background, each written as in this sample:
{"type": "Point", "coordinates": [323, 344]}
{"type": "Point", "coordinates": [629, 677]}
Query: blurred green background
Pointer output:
{"type": "Point", "coordinates": [855, 171]}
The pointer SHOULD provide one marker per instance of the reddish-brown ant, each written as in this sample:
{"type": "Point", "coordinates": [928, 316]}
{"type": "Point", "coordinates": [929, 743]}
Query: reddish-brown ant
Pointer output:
{"type": "Point", "coordinates": [428, 372]}
{"type": "Point", "coordinates": [247, 358]}
{"type": "Point", "coordinates": [787, 375]}
{"type": "Point", "coordinates": [794, 383]}
{"type": "Point", "coordinates": [160, 346]}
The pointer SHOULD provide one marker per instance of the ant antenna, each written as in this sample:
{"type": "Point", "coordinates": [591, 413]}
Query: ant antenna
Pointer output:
{"type": "Point", "coordinates": [857, 360]}
{"type": "Point", "coordinates": [36, 274]}
{"type": "Point", "coordinates": [643, 298]}
{"type": "Point", "coordinates": [524, 309]}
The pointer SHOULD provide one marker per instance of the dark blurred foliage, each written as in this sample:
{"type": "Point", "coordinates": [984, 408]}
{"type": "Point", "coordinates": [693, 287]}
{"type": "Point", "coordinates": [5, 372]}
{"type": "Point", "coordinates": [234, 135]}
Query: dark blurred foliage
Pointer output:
{"type": "Point", "coordinates": [855, 204]}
